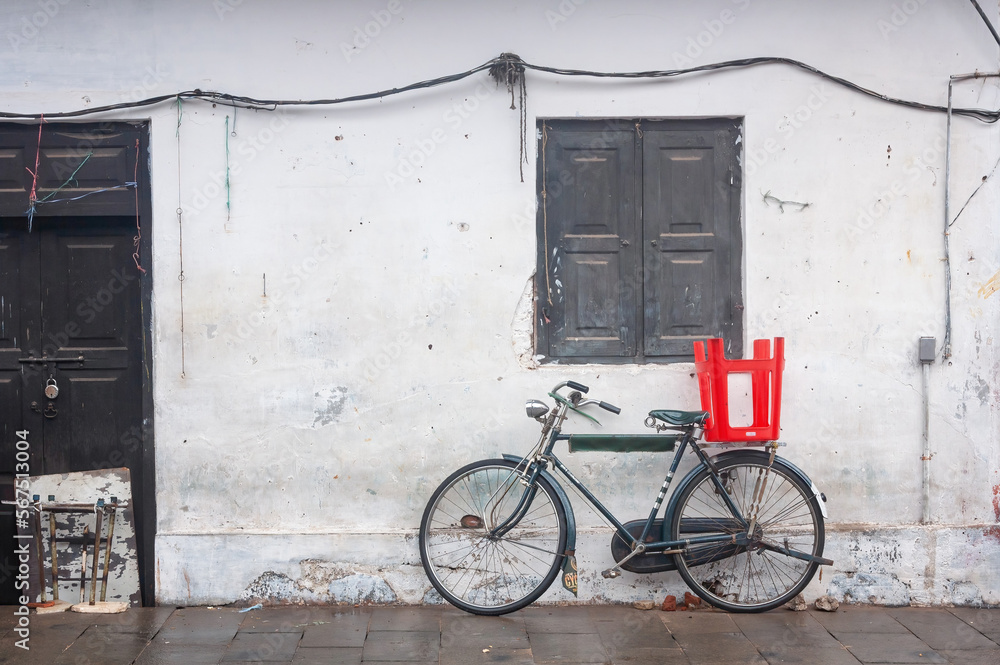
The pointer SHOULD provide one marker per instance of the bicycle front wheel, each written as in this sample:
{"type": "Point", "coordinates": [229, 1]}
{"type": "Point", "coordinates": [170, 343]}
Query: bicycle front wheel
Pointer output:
{"type": "Point", "coordinates": [761, 575]}
{"type": "Point", "coordinates": [490, 574]}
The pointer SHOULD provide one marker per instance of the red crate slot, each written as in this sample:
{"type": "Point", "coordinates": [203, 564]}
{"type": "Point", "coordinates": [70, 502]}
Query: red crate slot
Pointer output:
{"type": "Point", "coordinates": [765, 371]}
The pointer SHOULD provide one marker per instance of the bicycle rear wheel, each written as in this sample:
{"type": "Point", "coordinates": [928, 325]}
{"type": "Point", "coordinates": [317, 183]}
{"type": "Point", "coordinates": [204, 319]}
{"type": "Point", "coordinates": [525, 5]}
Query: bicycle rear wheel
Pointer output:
{"type": "Point", "coordinates": [485, 574]}
{"type": "Point", "coordinates": [755, 577]}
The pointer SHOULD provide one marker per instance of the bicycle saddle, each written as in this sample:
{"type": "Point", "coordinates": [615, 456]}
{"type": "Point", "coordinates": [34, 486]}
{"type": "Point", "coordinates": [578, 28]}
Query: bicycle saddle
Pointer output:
{"type": "Point", "coordinates": [680, 418]}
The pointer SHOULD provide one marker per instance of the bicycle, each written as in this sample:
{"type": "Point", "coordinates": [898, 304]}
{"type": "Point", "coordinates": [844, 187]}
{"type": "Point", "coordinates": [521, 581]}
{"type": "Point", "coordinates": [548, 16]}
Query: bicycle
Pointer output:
{"type": "Point", "coordinates": [744, 528]}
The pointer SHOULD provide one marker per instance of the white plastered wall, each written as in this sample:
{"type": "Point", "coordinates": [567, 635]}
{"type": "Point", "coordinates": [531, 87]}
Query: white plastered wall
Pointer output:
{"type": "Point", "coordinates": [357, 324]}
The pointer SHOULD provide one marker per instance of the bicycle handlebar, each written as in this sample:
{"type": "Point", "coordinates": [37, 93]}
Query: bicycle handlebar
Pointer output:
{"type": "Point", "coordinates": [583, 389]}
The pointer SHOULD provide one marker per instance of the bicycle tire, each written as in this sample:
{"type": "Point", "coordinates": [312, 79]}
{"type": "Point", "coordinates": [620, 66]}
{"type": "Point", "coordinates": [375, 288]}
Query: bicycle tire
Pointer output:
{"type": "Point", "coordinates": [491, 576]}
{"type": "Point", "coordinates": [750, 578]}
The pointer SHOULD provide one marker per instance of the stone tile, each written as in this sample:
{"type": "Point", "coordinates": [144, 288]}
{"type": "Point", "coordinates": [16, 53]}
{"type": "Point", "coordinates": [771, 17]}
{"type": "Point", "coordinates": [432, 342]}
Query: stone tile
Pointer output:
{"type": "Point", "coordinates": [286, 619]}
{"type": "Point", "coordinates": [558, 620]}
{"type": "Point", "coordinates": [614, 612]}
{"type": "Point", "coordinates": [808, 656]}
{"type": "Point", "coordinates": [850, 619]}
{"type": "Point", "coordinates": [986, 621]}
{"type": "Point", "coordinates": [698, 623]}
{"type": "Point", "coordinates": [647, 656]}
{"type": "Point", "coordinates": [784, 629]}
{"type": "Point", "coordinates": [67, 622]}
{"type": "Point", "coordinates": [181, 654]}
{"type": "Point", "coordinates": [719, 649]}
{"type": "Point", "coordinates": [940, 629]}
{"type": "Point", "coordinates": [474, 654]}
{"type": "Point", "coordinates": [889, 648]}
{"type": "Point", "coordinates": [567, 648]}
{"type": "Point", "coordinates": [327, 656]}
{"type": "Point", "coordinates": [340, 631]}
{"type": "Point", "coordinates": [45, 644]}
{"type": "Point", "coordinates": [263, 647]}
{"type": "Point", "coordinates": [103, 647]}
{"type": "Point", "coordinates": [139, 620]}
{"type": "Point", "coordinates": [397, 645]}
{"type": "Point", "coordinates": [636, 630]}
{"type": "Point", "coordinates": [406, 619]}
{"type": "Point", "coordinates": [468, 629]}
{"type": "Point", "coordinates": [973, 657]}
{"type": "Point", "coordinates": [200, 625]}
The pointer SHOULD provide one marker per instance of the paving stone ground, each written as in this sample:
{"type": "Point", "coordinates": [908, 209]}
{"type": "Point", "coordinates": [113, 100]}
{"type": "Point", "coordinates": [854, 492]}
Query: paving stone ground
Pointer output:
{"type": "Point", "coordinates": [537, 635]}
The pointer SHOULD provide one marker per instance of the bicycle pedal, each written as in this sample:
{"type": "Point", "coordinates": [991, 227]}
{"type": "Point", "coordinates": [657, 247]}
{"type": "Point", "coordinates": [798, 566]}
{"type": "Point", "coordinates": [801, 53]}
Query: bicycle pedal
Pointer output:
{"type": "Point", "coordinates": [611, 573]}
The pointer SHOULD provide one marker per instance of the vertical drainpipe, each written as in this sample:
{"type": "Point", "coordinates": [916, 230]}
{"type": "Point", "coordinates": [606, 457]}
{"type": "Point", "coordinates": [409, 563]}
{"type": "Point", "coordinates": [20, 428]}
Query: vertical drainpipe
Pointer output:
{"type": "Point", "coordinates": [926, 354]}
{"type": "Point", "coordinates": [946, 352]}
{"type": "Point", "coordinates": [925, 359]}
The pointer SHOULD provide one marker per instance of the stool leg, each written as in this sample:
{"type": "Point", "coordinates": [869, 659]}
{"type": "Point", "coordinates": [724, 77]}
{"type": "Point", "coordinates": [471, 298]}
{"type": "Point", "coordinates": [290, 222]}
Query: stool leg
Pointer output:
{"type": "Point", "coordinates": [107, 554]}
{"type": "Point", "coordinates": [98, 527]}
{"type": "Point", "coordinates": [83, 570]}
{"type": "Point", "coordinates": [55, 560]}
{"type": "Point", "coordinates": [37, 514]}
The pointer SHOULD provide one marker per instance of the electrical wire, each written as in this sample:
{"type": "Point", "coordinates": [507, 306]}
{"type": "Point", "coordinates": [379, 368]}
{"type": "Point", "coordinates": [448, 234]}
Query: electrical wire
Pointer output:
{"type": "Point", "coordinates": [979, 114]}
{"type": "Point", "coordinates": [506, 60]}
{"type": "Point", "coordinates": [989, 25]}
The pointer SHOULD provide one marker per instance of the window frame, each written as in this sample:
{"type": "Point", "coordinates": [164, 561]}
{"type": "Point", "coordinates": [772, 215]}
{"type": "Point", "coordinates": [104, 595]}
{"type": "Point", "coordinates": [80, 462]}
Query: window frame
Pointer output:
{"type": "Point", "coordinates": [729, 299]}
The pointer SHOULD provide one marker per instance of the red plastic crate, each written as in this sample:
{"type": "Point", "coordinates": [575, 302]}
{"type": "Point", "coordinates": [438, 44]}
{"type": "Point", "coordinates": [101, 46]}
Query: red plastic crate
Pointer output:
{"type": "Point", "coordinates": [765, 371]}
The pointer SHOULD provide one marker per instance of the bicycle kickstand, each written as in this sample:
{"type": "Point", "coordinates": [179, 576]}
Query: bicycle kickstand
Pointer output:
{"type": "Point", "coordinates": [640, 548]}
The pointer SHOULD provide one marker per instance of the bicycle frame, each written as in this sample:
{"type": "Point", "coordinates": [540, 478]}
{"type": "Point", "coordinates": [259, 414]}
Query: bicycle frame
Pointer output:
{"type": "Point", "coordinates": [543, 455]}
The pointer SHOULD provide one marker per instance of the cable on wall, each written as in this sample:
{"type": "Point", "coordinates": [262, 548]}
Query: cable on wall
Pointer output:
{"type": "Point", "coordinates": [505, 61]}
{"type": "Point", "coordinates": [508, 69]}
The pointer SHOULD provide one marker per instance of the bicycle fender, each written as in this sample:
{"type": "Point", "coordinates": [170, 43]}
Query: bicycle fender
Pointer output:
{"type": "Point", "coordinates": [561, 493]}
{"type": "Point", "coordinates": [820, 498]}
{"type": "Point", "coordinates": [668, 518]}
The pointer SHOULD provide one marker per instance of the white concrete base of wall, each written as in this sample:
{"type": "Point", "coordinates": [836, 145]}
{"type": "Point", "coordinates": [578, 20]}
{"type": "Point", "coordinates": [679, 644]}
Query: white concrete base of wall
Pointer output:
{"type": "Point", "coordinates": [916, 565]}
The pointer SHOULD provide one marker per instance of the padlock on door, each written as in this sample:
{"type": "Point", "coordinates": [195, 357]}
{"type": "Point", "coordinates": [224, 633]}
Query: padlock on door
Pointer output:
{"type": "Point", "coordinates": [51, 388]}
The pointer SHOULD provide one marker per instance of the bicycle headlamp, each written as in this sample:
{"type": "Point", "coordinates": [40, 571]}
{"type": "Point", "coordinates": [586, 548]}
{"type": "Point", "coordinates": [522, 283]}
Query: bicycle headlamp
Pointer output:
{"type": "Point", "coordinates": [535, 408]}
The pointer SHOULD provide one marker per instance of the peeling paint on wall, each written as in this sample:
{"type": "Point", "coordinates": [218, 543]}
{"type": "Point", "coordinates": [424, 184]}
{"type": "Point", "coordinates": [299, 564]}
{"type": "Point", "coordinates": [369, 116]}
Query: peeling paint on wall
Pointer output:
{"type": "Point", "coordinates": [877, 589]}
{"type": "Point", "coordinates": [329, 405]}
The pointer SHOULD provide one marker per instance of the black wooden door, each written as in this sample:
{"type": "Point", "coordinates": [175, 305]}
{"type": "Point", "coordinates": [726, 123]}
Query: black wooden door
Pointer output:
{"type": "Point", "coordinates": [73, 313]}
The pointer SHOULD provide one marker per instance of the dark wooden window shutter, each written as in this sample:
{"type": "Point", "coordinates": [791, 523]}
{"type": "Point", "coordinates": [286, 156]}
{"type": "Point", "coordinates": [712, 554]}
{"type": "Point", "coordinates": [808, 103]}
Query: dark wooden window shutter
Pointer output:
{"type": "Point", "coordinates": [639, 239]}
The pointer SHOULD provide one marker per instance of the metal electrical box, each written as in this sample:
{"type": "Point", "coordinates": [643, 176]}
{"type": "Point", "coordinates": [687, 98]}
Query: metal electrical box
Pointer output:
{"type": "Point", "coordinates": [926, 349]}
